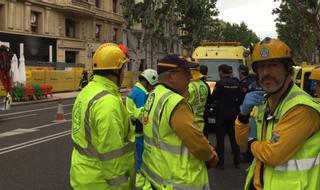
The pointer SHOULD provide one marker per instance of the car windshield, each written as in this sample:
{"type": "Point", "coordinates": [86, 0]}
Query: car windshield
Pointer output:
{"type": "Point", "coordinates": [213, 64]}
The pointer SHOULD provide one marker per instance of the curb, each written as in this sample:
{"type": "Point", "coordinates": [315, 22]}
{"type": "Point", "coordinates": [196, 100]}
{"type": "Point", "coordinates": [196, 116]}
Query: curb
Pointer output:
{"type": "Point", "coordinates": [53, 99]}
{"type": "Point", "coordinates": [15, 104]}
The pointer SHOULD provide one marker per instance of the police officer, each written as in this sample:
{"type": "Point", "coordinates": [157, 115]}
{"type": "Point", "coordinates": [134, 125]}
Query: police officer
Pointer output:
{"type": "Point", "coordinates": [102, 134]}
{"type": "Point", "coordinates": [248, 82]}
{"type": "Point", "coordinates": [226, 94]}
{"type": "Point", "coordinates": [176, 151]}
{"type": "Point", "coordinates": [286, 150]}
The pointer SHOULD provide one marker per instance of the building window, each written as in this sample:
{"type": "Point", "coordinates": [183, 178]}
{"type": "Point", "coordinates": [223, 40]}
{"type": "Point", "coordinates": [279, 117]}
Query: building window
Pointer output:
{"type": "Point", "coordinates": [34, 21]}
{"type": "Point", "coordinates": [114, 36]}
{"type": "Point", "coordinates": [115, 6]}
{"type": "Point", "coordinates": [70, 28]}
{"type": "Point", "coordinates": [98, 31]}
{"type": "Point", "coordinates": [142, 65]}
{"type": "Point", "coordinates": [98, 4]}
{"type": "Point", "coordinates": [138, 44]}
{"type": "Point", "coordinates": [71, 56]}
{"type": "Point", "coordinates": [2, 15]}
{"type": "Point", "coordinates": [130, 64]}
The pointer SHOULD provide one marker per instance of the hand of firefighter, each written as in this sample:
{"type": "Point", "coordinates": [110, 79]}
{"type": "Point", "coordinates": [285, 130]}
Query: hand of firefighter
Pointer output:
{"type": "Point", "coordinates": [213, 161]}
{"type": "Point", "coordinates": [252, 99]}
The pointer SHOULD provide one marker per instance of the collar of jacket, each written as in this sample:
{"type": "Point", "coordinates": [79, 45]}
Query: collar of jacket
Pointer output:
{"type": "Point", "coordinates": [107, 83]}
{"type": "Point", "coordinates": [139, 85]}
{"type": "Point", "coordinates": [168, 87]}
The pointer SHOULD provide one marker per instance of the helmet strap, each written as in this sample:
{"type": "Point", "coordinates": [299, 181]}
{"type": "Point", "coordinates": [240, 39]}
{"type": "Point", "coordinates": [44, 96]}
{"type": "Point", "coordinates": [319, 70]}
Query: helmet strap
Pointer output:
{"type": "Point", "coordinates": [117, 74]}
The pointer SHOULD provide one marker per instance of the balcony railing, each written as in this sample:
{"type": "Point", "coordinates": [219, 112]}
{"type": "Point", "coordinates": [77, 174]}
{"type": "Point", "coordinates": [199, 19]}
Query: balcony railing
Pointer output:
{"type": "Point", "coordinates": [82, 3]}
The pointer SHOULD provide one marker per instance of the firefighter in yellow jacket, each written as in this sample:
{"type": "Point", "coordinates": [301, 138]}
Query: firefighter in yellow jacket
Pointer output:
{"type": "Point", "coordinates": [286, 151]}
{"type": "Point", "coordinates": [198, 92]}
{"type": "Point", "coordinates": [176, 151]}
{"type": "Point", "coordinates": [102, 157]}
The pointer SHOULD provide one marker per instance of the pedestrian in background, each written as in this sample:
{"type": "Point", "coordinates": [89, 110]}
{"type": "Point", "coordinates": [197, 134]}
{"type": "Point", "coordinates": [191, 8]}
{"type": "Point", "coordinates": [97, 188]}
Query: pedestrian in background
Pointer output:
{"type": "Point", "coordinates": [206, 129]}
{"type": "Point", "coordinates": [176, 152]}
{"type": "Point", "coordinates": [226, 94]}
{"type": "Point", "coordinates": [248, 83]}
{"type": "Point", "coordinates": [286, 151]}
{"type": "Point", "coordinates": [136, 99]}
{"type": "Point", "coordinates": [102, 134]}
{"type": "Point", "coordinates": [210, 107]}
{"type": "Point", "coordinates": [84, 79]}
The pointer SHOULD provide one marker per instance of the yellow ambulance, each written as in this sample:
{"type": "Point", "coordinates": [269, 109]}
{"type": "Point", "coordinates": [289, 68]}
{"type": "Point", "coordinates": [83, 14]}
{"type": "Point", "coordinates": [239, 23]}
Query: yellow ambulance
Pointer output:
{"type": "Point", "coordinates": [301, 76]}
{"type": "Point", "coordinates": [213, 54]}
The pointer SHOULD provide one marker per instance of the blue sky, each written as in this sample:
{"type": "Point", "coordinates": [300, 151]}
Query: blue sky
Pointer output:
{"type": "Point", "coordinates": [256, 13]}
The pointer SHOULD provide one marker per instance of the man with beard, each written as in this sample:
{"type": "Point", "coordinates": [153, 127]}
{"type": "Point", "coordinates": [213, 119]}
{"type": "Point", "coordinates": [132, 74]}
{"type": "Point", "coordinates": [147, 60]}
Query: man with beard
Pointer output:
{"type": "Point", "coordinates": [286, 151]}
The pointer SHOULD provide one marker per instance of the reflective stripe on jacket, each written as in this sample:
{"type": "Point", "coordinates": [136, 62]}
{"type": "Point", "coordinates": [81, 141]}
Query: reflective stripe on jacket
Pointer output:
{"type": "Point", "coordinates": [302, 171]}
{"type": "Point", "coordinates": [167, 163]}
{"type": "Point", "coordinates": [136, 99]}
{"type": "Point", "coordinates": [102, 157]}
{"type": "Point", "coordinates": [198, 93]}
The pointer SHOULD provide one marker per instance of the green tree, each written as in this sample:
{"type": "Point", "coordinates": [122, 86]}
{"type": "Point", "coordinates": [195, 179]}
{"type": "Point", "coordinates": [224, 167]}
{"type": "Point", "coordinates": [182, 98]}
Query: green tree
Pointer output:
{"type": "Point", "coordinates": [188, 20]}
{"type": "Point", "coordinates": [229, 32]}
{"type": "Point", "coordinates": [298, 24]}
{"type": "Point", "coordinates": [196, 21]}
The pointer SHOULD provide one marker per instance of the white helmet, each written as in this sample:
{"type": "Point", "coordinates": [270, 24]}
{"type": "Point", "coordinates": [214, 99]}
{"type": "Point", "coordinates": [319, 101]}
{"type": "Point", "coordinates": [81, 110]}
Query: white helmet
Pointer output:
{"type": "Point", "coordinates": [151, 76]}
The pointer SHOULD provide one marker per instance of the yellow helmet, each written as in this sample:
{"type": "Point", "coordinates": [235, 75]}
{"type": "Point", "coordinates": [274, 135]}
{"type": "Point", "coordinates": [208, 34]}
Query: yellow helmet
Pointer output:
{"type": "Point", "coordinates": [196, 74]}
{"type": "Point", "coordinates": [315, 74]}
{"type": "Point", "coordinates": [270, 49]}
{"type": "Point", "coordinates": [108, 56]}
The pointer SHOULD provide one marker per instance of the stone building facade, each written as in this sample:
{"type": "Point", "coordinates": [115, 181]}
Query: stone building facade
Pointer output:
{"type": "Point", "coordinates": [69, 31]}
{"type": "Point", "coordinates": [73, 29]}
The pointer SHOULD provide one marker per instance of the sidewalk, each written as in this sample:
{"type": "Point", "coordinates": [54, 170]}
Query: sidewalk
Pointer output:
{"type": "Point", "coordinates": [60, 95]}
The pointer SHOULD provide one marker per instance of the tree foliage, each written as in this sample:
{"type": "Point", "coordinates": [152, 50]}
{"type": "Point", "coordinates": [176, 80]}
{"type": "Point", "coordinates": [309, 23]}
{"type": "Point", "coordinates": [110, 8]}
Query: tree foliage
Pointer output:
{"type": "Point", "coordinates": [196, 20]}
{"type": "Point", "coordinates": [298, 24]}
{"type": "Point", "coordinates": [191, 21]}
{"type": "Point", "coordinates": [237, 33]}
{"type": "Point", "coordinates": [187, 20]}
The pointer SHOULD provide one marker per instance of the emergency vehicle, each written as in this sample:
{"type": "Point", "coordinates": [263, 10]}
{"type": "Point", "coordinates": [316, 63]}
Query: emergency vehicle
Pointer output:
{"type": "Point", "coordinates": [213, 54]}
{"type": "Point", "coordinates": [301, 76]}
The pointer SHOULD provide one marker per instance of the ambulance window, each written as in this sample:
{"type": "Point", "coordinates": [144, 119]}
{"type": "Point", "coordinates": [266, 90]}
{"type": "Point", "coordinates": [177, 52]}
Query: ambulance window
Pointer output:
{"type": "Point", "coordinates": [308, 85]}
{"type": "Point", "coordinates": [213, 64]}
{"type": "Point", "coordinates": [299, 74]}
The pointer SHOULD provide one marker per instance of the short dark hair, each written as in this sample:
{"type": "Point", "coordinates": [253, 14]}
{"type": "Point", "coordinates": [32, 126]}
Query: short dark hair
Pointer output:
{"type": "Point", "coordinates": [243, 69]}
{"type": "Point", "coordinates": [225, 69]}
{"type": "Point", "coordinates": [104, 72]}
{"type": "Point", "coordinates": [141, 78]}
{"type": "Point", "coordinates": [204, 69]}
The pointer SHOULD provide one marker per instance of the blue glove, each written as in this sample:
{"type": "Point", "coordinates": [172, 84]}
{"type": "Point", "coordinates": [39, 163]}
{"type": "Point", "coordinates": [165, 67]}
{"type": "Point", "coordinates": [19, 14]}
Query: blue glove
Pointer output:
{"type": "Point", "coordinates": [254, 98]}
